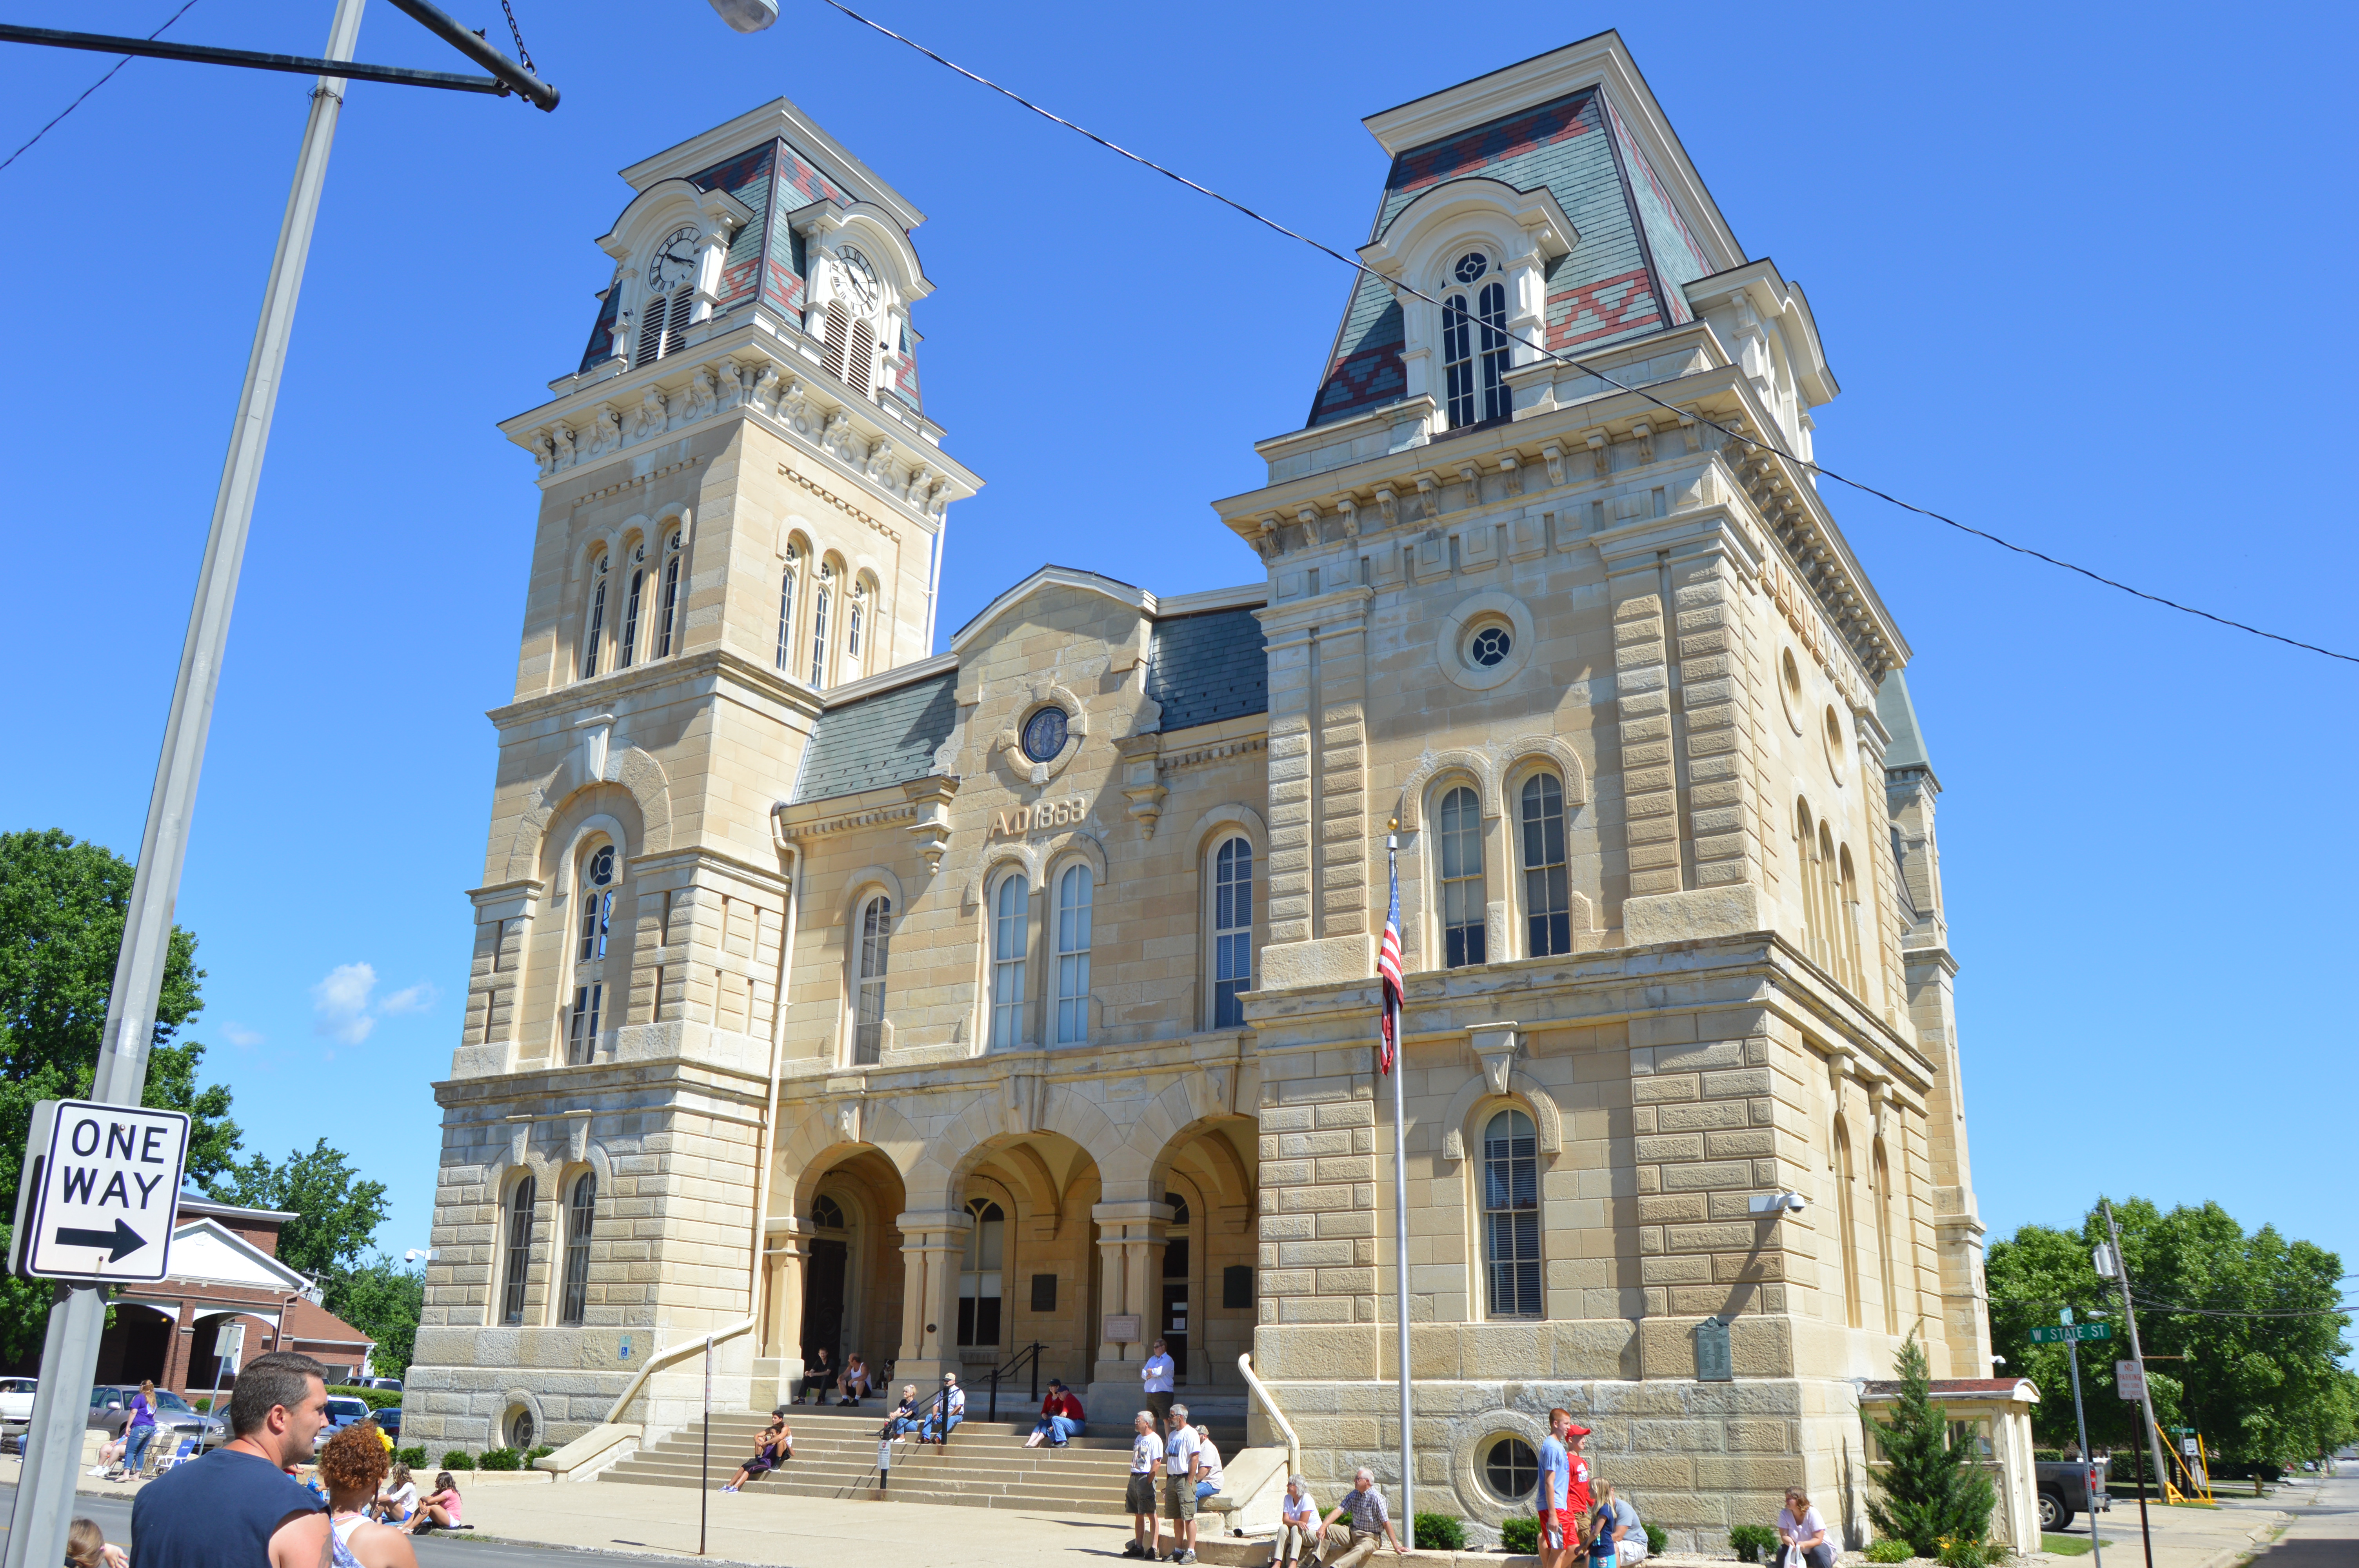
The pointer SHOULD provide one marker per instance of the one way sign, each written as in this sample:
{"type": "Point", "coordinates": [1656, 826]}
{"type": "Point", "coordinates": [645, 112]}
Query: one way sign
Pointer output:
{"type": "Point", "coordinates": [100, 1188]}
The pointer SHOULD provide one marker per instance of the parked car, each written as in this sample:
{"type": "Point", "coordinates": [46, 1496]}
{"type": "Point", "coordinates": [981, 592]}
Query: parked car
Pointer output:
{"type": "Point", "coordinates": [110, 1411]}
{"type": "Point", "coordinates": [389, 1418]}
{"type": "Point", "coordinates": [390, 1385]}
{"type": "Point", "coordinates": [343, 1410]}
{"type": "Point", "coordinates": [2064, 1491]}
{"type": "Point", "coordinates": [17, 1411]}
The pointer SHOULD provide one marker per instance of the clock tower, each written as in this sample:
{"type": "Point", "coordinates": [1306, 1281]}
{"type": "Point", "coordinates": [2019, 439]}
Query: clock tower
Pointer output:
{"type": "Point", "coordinates": [742, 505]}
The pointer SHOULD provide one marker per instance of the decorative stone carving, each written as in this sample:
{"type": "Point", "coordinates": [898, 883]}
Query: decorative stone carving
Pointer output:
{"type": "Point", "coordinates": [1646, 435]}
{"type": "Point", "coordinates": [699, 394]}
{"type": "Point", "coordinates": [545, 450]}
{"type": "Point", "coordinates": [919, 477]}
{"type": "Point", "coordinates": [1601, 453]}
{"type": "Point", "coordinates": [1308, 515]}
{"type": "Point", "coordinates": [794, 405]}
{"type": "Point", "coordinates": [836, 438]}
{"type": "Point", "coordinates": [765, 396]}
{"type": "Point", "coordinates": [1387, 507]}
{"type": "Point", "coordinates": [1553, 455]}
{"type": "Point", "coordinates": [562, 436]}
{"type": "Point", "coordinates": [880, 459]}
{"type": "Point", "coordinates": [606, 430]}
{"type": "Point", "coordinates": [932, 828]}
{"type": "Point", "coordinates": [1429, 496]}
{"type": "Point", "coordinates": [1511, 468]}
{"type": "Point", "coordinates": [1141, 787]}
{"type": "Point", "coordinates": [729, 377]}
{"type": "Point", "coordinates": [649, 418]}
{"type": "Point", "coordinates": [1348, 508]}
{"type": "Point", "coordinates": [1495, 1047]}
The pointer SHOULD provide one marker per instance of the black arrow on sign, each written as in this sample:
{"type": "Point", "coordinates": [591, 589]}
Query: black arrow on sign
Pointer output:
{"type": "Point", "coordinates": [121, 1242]}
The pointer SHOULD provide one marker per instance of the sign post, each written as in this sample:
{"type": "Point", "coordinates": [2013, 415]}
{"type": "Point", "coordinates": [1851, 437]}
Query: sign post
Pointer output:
{"type": "Point", "coordinates": [2071, 1334]}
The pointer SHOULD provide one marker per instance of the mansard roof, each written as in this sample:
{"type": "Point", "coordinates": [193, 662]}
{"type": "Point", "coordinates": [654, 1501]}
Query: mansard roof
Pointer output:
{"type": "Point", "coordinates": [1898, 717]}
{"type": "Point", "coordinates": [887, 739]}
{"type": "Point", "coordinates": [1209, 666]}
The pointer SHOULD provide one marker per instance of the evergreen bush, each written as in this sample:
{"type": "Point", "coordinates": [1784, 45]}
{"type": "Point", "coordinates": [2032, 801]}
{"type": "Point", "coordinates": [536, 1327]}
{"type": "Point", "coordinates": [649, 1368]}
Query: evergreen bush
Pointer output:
{"type": "Point", "coordinates": [1521, 1536]}
{"type": "Point", "coordinates": [537, 1453]}
{"type": "Point", "coordinates": [1934, 1495]}
{"type": "Point", "coordinates": [501, 1459]}
{"type": "Point", "coordinates": [458, 1459]}
{"type": "Point", "coordinates": [1658, 1540]}
{"type": "Point", "coordinates": [1751, 1542]}
{"type": "Point", "coordinates": [1439, 1532]}
{"type": "Point", "coordinates": [413, 1457]}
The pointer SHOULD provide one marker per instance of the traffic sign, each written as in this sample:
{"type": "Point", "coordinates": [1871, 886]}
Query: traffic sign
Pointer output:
{"type": "Point", "coordinates": [2130, 1381]}
{"type": "Point", "coordinates": [100, 1190]}
{"type": "Point", "coordinates": [2057, 1333]}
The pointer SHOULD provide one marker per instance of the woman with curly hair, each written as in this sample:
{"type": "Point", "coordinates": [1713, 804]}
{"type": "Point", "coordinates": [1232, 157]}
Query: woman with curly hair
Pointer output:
{"type": "Point", "coordinates": [353, 1464]}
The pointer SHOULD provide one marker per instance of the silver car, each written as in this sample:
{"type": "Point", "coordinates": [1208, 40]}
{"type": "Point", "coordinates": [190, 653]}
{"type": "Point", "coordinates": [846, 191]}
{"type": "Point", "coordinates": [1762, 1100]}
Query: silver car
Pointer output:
{"type": "Point", "coordinates": [343, 1410]}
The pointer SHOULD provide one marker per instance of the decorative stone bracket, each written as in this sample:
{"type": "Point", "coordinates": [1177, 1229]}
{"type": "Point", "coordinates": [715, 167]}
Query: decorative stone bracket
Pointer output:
{"type": "Point", "coordinates": [1141, 782]}
{"type": "Point", "coordinates": [1495, 1047]}
{"type": "Point", "coordinates": [931, 798]}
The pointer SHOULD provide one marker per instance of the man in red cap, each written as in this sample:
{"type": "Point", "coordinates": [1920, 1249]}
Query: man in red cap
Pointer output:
{"type": "Point", "coordinates": [1564, 1500]}
{"type": "Point", "coordinates": [1577, 1500]}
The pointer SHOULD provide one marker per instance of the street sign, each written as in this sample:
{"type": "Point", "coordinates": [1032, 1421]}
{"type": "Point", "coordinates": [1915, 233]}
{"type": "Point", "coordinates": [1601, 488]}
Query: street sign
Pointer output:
{"type": "Point", "coordinates": [229, 1343]}
{"type": "Point", "coordinates": [2130, 1381]}
{"type": "Point", "coordinates": [2057, 1333]}
{"type": "Point", "coordinates": [102, 1187]}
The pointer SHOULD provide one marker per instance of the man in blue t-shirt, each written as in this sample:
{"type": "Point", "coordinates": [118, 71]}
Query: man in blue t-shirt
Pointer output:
{"type": "Point", "coordinates": [1555, 1506]}
{"type": "Point", "coordinates": [237, 1506]}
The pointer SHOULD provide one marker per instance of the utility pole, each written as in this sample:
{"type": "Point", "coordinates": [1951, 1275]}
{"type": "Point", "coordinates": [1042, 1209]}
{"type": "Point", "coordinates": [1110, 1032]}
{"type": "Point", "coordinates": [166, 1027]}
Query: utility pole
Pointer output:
{"type": "Point", "coordinates": [45, 1491]}
{"type": "Point", "coordinates": [2152, 1436]}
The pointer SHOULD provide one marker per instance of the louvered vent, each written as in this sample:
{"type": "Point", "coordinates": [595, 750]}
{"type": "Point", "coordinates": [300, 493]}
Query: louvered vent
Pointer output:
{"type": "Point", "coordinates": [862, 378]}
{"type": "Point", "coordinates": [831, 349]}
{"type": "Point", "coordinates": [676, 335]}
{"type": "Point", "coordinates": [651, 321]}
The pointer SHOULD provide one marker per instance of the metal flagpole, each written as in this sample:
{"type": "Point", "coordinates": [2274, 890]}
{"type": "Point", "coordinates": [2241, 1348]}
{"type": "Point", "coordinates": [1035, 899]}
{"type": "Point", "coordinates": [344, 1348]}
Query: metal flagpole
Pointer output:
{"type": "Point", "coordinates": [1400, 1225]}
{"type": "Point", "coordinates": [44, 1505]}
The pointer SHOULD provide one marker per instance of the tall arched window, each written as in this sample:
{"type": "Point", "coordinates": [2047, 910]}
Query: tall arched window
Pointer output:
{"type": "Point", "coordinates": [592, 928]}
{"type": "Point", "coordinates": [1511, 1216]}
{"type": "Point", "coordinates": [1806, 871]}
{"type": "Point", "coordinates": [580, 1210]}
{"type": "Point", "coordinates": [1011, 913]}
{"type": "Point", "coordinates": [854, 618]}
{"type": "Point", "coordinates": [979, 1274]}
{"type": "Point", "coordinates": [1846, 1226]}
{"type": "Point", "coordinates": [1458, 832]}
{"type": "Point", "coordinates": [787, 604]}
{"type": "Point", "coordinates": [668, 620]}
{"type": "Point", "coordinates": [626, 645]}
{"type": "Point", "coordinates": [1475, 343]}
{"type": "Point", "coordinates": [1847, 907]}
{"type": "Point", "coordinates": [1881, 1169]}
{"type": "Point", "coordinates": [1073, 955]}
{"type": "Point", "coordinates": [594, 631]}
{"type": "Point", "coordinates": [868, 1002]}
{"type": "Point", "coordinates": [521, 1200]}
{"type": "Point", "coordinates": [1548, 903]}
{"type": "Point", "coordinates": [1232, 922]}
{"type": "Point", "coordinates": [1829, 923]}
{"type": "Point", "coordinates": [821, 592]}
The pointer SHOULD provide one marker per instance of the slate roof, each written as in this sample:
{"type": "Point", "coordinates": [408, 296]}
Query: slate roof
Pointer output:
{"type": "Point", "coordinates": [887, 739]}
{"type": "Point", "coordinates": [1898, 717]}
{"type": "Point", "coordinates": [1207, 667]}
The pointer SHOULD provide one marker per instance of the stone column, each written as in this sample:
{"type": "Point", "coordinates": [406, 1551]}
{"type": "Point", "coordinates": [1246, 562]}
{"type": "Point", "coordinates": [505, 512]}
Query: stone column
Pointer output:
{"type": "Point", "coordinates": [933, 1241]}
{"type": "Point", "coordinates": [779, 1363]}
{"type": "Point", "coordinates": [1131, 1238]}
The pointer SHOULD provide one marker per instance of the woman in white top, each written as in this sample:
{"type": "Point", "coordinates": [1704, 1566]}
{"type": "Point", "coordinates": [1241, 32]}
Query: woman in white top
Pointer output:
{"type": "Point", "coordinates": [1802, 1534]}
{"type": "Point", "coordinates": [1298, 1519]}
{"type": "Point", "coordinates": [397, 1500]}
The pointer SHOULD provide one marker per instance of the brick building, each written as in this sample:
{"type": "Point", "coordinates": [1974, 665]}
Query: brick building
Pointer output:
{"type": "Point", "coordinates": [830, 991]}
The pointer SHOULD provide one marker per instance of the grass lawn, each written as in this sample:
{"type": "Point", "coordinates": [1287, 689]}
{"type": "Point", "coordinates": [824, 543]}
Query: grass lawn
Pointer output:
{"type": "Point", "coordinates": [2069, 1545]}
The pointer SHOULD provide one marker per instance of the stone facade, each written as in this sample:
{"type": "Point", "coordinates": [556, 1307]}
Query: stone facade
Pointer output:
{"type": "Point", "coordinates": [1023, 993]}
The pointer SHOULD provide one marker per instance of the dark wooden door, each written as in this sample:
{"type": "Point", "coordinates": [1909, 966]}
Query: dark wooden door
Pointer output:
{"type": "Point", "coordinates": [1174, 1327]}
{"type": "Point", "coordinates": [824, 1302]}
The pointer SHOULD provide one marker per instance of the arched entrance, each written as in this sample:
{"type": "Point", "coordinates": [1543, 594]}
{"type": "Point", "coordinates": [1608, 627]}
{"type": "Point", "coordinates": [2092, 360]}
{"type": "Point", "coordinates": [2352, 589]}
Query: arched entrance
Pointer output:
{"type": "Point", "coordinates": [1204, 1291]}
{"type": "Point", "coordinates": [834, 1270]}
{"type": "Point", "coordinates": [1024, 1274]}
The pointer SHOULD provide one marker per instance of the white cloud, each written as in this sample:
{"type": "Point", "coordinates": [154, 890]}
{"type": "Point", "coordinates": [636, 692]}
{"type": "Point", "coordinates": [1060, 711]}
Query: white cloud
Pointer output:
{"type": "Point", "coordinates": [414, 998]}
{"type": "Point", "coordinates": [238, 1034]}
{"type": "Point", "coordinates": [340, 1003]}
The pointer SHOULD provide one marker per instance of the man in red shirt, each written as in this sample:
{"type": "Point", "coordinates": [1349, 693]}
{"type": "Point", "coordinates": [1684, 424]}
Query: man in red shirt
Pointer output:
{"type": "Point", "coordinates": [1577, 1500]}
{"type": "Point", "coordinates": [1061, 1417]}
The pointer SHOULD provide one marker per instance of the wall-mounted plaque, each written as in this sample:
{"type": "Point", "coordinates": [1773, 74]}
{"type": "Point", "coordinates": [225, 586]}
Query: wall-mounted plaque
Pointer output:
{"type": "Point", "coordinates": [1713, 1362]}
{"type": "Point", "coordinates": [1121, 1328]}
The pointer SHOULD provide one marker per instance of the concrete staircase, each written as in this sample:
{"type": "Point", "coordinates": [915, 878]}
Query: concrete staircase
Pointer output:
{"type": "Point", "coordinates": [985, 1466]}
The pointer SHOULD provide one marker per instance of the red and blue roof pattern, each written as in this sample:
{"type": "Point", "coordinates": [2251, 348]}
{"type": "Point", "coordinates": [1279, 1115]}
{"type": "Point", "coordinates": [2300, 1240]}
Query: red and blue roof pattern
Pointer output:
{"type": "Point", "coordinates": [1608, 287]}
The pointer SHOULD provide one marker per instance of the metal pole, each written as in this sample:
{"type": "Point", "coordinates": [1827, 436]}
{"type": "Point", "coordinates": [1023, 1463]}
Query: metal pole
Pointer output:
{"type": "Point", "coordinates": [2129, 1314]}
{"type": "Point", "coordinates": [704, 1471]}
{"type": "Point", "coordinates": [2137, 1454]}
{"type": "Point", "coordinates": [1400, 1246]}
{"type": "Point", "coordinates": [2088, 1465]}
{"type": "Point", "coordinates": [44, 1507]}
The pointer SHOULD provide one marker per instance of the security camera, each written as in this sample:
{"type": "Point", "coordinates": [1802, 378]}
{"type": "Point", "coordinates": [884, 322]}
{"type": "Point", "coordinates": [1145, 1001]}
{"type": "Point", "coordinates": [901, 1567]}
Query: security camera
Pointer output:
{"type": "Point", "coordinates": [748, 15]}
{"type": "Point", "coordinates": [1998, 1361]}
{"type": "Point", "coordinates": [1775, 1205]}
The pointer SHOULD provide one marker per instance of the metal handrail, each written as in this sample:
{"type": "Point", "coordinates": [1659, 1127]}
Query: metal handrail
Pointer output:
{"type": "Point", "coordinates": [1293, 1444]}
{"type": "Point", "coordinates": [1029, 1353]}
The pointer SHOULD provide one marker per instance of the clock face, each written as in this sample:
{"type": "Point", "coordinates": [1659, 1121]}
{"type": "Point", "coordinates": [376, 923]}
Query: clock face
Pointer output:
{"type": "Point", "coordinates": [859, 277]}
{"type": "Point", "coordinates": [675, 259]}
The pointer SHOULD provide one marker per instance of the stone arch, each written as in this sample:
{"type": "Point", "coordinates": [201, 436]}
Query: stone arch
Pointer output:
{"type": "Point", "coordinates": [636, 770]}
{"type": "Point", "coordinates": [1525, 751]}
{"type": "Point", "coordinates": [1476, 1098]}
{"type": "Point", "coordinates": [830, 1132]}
{"type": "Point", "coordinates": [1431, 766]}
{"type": "Point", "coordinates": [1231, 814]}
{"type": "Point", "coordinates": [857, 885]}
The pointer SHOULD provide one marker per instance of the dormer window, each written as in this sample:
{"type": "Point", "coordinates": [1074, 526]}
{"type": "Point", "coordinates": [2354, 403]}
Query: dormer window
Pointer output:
{"type": "Point", "coordinates": [1474, 342]}
{"type": "Point", "coordinates": [671, 294]}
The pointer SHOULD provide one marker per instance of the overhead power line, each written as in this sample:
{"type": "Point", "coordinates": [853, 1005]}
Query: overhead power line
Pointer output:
{"type": "Point", "coordinates": [2155, 1305]}
{"type": "Point", "coordinates": [1400, 287]}
{"type": "Point", "coordinates": [93, 87]}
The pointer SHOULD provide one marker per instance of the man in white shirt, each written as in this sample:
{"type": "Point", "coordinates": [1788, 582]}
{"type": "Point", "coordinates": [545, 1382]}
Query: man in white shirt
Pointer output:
{"type": "Point", "coordinates": [1183, 1464]}
{"type": "Point", "coordinates": [949, 1410]}
{"type": "Point", "coordinates": [1208, 1472]}
{"type": "Point", "coordinates": [1158, 1372]}
{"type": "Point", "coordinates": [1145, 1458]}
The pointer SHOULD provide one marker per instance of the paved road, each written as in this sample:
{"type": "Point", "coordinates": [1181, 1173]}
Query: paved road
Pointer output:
{"type": "Point", "coordinates": [113, 1516]}
{"type": "Point", "coordinates": [2325, 1528]}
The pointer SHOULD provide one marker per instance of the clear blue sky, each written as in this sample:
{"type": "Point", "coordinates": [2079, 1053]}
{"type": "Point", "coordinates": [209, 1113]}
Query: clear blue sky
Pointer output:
{"type": "Point", "coordinates": [2073, 267]}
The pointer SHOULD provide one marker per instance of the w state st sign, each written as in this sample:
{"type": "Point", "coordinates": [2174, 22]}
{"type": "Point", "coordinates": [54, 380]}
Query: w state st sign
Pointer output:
{"type": "Point", "coordinates": [100, 1191]}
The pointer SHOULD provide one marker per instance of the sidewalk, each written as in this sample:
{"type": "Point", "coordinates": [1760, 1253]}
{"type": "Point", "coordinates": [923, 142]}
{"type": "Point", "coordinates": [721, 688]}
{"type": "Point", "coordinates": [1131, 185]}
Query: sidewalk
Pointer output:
{"type": "Point", "coordinates": [2183, 1536]}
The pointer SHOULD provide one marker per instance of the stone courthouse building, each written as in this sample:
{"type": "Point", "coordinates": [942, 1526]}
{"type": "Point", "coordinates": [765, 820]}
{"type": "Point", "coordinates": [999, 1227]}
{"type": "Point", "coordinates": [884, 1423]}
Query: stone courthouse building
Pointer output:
{"type": "Point", "coordinates": [830, 991]}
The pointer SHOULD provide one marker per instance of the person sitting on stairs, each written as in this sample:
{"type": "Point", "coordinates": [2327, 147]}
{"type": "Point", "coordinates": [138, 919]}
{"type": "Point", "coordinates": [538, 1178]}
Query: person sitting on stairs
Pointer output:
{"type": "Point", "coordinates": [1061, 1418]}
{"type": "Point", "coordinates": [950, 1409]}
{"type": "Point", "coordinates": [855, 1381]}
{"type": "Point", "coordinates": [774, 1448]}
{"type": "Point", "coordinates": [818, 1379]}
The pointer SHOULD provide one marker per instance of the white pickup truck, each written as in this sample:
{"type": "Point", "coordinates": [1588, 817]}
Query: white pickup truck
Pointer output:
{"type": "Point", "coordinates": [17, 1410]}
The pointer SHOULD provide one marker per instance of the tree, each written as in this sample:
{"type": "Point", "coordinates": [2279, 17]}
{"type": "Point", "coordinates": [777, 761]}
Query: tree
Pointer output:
{"type": "Point", "coordinates": [1931, 1490]}
{"type": "Point", "coordinates": [384, 1300]}
{"type": "Point", "coordinates": [2260, 1388]}
{"type": "Point", "coordinates": [336, 1213]}
{"type": "Point", "coordinates": [63, 907]}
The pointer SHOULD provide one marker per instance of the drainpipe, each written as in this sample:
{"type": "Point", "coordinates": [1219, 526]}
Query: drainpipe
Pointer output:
{"type": "Point", "coordinates": [777, 1051]}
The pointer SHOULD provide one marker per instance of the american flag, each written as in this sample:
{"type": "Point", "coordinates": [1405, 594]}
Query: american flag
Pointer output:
{"type": "Point", "coordinates": [1388, 971]}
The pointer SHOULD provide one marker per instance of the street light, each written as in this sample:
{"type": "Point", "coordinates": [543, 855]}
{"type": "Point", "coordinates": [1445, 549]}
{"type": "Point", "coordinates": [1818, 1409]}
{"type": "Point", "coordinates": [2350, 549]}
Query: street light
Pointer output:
{"type": "Point", "coordinates": [748, 15]}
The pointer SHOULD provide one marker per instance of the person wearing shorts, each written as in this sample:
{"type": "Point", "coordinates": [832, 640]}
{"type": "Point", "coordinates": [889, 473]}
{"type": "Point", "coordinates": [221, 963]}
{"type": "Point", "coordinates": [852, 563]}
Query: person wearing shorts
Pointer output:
{"type": "Point", "coordinates": [1183, 1463]}
{"type": "Point", "coordinates": [1558, 1521]}
{"type": "Point", "coordinates": [1146, 1459]}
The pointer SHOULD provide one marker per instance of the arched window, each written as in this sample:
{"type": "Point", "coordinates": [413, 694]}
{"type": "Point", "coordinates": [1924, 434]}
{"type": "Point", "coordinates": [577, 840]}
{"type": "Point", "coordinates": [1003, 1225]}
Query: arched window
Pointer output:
{"type": "Point", "coordinates": [1233, 926]}
{"type": "Point", "coordinates": [580, 1210]}
{"type": "Point", "coordinates": [521, 1200]}
{"type": "Point", "coordinates": [824, 590]}
{"type": "Point", "coordinates": [1492, 307]}
{"type": "Point", "coordinates": [1547, 905]}
{"type": "Point", "coordinates": [667, 621]}
{"type": "Point", "coordinates": [1806, 855]}
{"type": "Point", "coordinates": [786, 605]}
{"type": "Point", "coordinates": [626, 645]}
{"type": "Point", "coordinates": [1881, 1169]}
{"type": "Point", "coordinates": [593, 634]}
{"type": "Point", "coordinates": [1475, 343]}
{"type": "Point", "coordinates": [1830, 923]}
{"type": "Point", "coordinates": [1011, 913]}
{"type": "Point", "coordinates": [592, 928]}
{"type": "Point", "coordinates": [1073, 955]}
{"type": "Point", "coordinates": [1847, 906]}
{"type": "Point", "coordinates": [1511, 1216]}
{"type": "Point", "coordinates": [827, 1214]}
{"type": "Point", "coordinates": [1458, 832]}
{"type": "Point", "coordinates": [978, 1321]}
{"type": "Point", "coordinates": [856, 617]}
{"type": "Point", "coordinates": [1846, 1227]}
{"type": "Point", "coordinates": [868, 1002]}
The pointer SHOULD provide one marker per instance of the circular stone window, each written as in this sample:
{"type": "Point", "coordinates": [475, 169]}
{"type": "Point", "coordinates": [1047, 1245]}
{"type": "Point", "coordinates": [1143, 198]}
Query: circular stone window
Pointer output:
{"type": "Point", "coordinates": [1511, 1469]}
{"type": "Point", "coordinates": [1789, 688]}
{"type": "Point", "coordinates": [1490, 647]}
{"type": "Point", "coordinates": [521, 1431]}
{"type": "Point", "coordinates": [1044, 734]}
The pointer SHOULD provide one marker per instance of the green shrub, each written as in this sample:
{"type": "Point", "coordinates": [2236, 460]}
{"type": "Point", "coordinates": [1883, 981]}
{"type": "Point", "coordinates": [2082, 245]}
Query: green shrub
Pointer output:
{"type": "Point", "coordinates": [1959, 1552]}
{"type": "Point", "coordinates": [1932, 1491]}
{"type": "Point", "coordinates": [533, 1454]}
{"type": "Point", "coordinates": [1658, 1540]}
{"type": "Point", "coordinates": [458, 1459]}
{"type": "Point", "coordinates": [377, 1399]}
{"type": "Point", "coordinates": [1521, 1536]}
{"type": "Point", "coordinates": [501, 1459]}
{"type": "Point", "coordinates": [1751, 1542]}
{"type": "Point", "coordinates": [1439, 1532]}
{"type": "Point", "coordinates": [413, 1457]}
{"type": "Point", "coordinates": [1886, 1548]}
{"type": "Point", "coordinates": [2048, 1456]}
